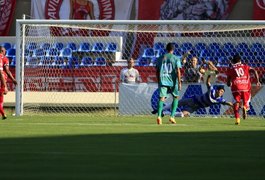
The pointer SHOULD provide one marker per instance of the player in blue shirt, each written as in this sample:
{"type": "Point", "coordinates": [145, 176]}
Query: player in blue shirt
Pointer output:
{"type": "Point", "coordinates": [211, 97]}
{"type": "Point", "coordinates": [169, 80]}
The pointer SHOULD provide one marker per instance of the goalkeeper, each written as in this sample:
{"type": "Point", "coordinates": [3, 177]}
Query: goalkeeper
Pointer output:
{"type": "Point", "coordinates": [214, 95]}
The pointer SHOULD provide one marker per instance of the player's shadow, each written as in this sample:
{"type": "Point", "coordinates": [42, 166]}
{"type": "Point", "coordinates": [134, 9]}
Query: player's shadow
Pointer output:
{"type": "Point", "coordinates": [163, 155]}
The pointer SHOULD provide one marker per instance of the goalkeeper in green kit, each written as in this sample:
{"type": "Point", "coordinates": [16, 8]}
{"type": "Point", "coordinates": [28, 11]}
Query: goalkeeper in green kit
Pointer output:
{"type": "Point", "coordinates": [169, 81]}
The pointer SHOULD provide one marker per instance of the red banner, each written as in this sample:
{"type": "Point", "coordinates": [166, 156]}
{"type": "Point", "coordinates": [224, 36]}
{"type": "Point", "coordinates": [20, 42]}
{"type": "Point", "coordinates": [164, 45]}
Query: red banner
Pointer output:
{"type": "Point", "coordinates": [7, 9]}
{"type": "Point", "coordinates": [91, 79]}
{"type": "Point", "coordinates": [259, 10]}
{"type": "Point", "coordinates": [184, 9]}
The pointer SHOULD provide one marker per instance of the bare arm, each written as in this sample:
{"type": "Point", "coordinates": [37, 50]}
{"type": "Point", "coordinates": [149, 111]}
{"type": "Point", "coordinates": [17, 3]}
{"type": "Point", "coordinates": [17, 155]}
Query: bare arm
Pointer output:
{"type": "Point", "coordinates": [179, 78]}
{"type": "Point", "coordinates": [9, 74]}
{"type": "Point", "coordinates": [256, 75]}
{"type": "Point", "coordinates": [208, 82]}
{"type": "Point", "coordinates": [228, 104]}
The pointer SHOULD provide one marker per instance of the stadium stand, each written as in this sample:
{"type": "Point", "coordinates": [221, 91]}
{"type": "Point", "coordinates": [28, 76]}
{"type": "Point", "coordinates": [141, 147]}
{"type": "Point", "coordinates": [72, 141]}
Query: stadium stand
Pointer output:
{"type": "Point", "coordinates": [86, 61]}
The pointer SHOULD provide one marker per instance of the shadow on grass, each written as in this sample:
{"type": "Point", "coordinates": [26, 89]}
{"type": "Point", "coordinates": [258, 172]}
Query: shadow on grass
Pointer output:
{"type": "Point", "coordinates": [212, 155]}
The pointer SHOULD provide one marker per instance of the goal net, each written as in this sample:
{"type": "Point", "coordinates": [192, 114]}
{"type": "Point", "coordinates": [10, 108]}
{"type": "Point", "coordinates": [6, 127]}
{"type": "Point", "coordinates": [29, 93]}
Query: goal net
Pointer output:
{"type": "Point", "coordinates": [69, 67]}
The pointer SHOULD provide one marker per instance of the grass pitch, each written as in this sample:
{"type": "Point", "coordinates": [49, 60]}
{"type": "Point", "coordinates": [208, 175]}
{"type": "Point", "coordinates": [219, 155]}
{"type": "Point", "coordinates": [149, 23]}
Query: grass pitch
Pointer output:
{"type": "Point", "coordinates": [67, 147]}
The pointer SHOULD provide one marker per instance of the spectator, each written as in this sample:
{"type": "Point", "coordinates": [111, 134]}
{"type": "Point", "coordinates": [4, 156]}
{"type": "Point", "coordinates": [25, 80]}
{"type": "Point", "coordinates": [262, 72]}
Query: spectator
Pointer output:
{"type": "Point", "coordinates": [130, 74]}
{"type": "Point", "coordinates": [193, 72]}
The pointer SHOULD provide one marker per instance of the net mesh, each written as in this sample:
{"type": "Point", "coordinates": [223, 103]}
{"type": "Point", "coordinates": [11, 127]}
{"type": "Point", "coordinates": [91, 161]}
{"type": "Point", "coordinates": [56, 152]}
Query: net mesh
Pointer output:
{"type": "Point", "coordinates": [75, 68]}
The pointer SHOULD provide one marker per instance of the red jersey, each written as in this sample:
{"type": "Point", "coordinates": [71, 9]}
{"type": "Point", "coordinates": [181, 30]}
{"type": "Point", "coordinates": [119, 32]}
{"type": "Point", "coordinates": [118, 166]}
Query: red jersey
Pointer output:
{"type": "Point", "coordinates": [5, 62]}
{"type": "Point", "coordinates": [240, 77]}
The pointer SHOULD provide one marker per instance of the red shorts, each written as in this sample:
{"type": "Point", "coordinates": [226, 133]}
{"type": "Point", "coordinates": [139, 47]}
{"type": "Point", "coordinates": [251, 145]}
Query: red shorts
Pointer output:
{"type": "Point", "coordinates": [244, 96]}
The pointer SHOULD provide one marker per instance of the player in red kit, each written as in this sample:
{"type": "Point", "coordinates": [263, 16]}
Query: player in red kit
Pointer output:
{"type": "Point", "coordinates": [238, 77]}
{"type": "Point", "coordinates": [3, 89]}
{"type": "Point", "coordinates": [4, 66]}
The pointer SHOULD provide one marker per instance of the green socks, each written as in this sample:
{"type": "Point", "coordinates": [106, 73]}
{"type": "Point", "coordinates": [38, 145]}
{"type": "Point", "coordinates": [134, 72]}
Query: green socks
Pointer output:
{"type": "Point", "coordinates": [174, 107]}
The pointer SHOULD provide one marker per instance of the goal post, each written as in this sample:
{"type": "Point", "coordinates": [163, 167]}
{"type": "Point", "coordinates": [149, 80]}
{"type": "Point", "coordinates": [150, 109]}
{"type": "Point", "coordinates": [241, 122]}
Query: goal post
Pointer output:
{"type": "Point", "coordinates": [73, 66]}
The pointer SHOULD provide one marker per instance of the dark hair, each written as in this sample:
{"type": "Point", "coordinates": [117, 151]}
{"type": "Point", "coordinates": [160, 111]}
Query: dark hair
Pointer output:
{"type": "Point", "coordinates": [170, 47]}
{"type": "Point", "coordinates": [219, 87]}
{"type": "Point", "coordinates": [236, 59]}
{"type": "Point", "coordinates": [1, 48]}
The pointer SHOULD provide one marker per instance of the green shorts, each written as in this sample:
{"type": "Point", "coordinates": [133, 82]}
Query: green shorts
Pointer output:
{"type": "Point", "coordinates": [165, 90]}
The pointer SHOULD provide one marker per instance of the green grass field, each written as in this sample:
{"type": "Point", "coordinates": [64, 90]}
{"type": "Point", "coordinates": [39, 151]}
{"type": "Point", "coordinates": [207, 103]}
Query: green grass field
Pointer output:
{"type": "Point", "coordinates": [46, 147]}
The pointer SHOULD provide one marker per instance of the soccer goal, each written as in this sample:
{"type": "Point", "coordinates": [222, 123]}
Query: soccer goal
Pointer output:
{"type": "Point", "coordinates": [70, 66]}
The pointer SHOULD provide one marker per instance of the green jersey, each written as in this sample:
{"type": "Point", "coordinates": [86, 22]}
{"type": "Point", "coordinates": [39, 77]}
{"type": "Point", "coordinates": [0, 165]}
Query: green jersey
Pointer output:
{"type": "Point", "coordinates": [166, 66]}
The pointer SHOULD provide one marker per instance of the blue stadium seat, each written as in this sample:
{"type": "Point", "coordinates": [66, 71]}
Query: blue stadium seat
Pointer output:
{"type": "Point", "coordinates": [32, 61]}
{"type": "Point", "coordinates": [160, 52]}
{"type": "Point", "coordinates": [59, 62]}
{"type": "Point", "coordinates": [159, 45]}
{"type": "Point", "coordinates": [149, 52]}
{"type": "Point", "coordinates": [13, 62]}
{"type": "Point", "coordinates": [66, 52]}
{"type": "Point", "coordinates": [187, 46]}
{"type": "Point", "coordinates": [214, 46]}
{"type": "Point", "coordinates": [100, 61]}
{"type": "Point", "coordinates": [73, 62]}
{"type": "Point", "coordinates": [38, 53]}
{"type": "Point", "coordinates": [98, 47]}
{"type": "Point", "coordinates": [58, 45]}
{"type": "Point", "coordinates": [32, 46]}
{"type": "Point", "coordinates": [72, 46]}
{"type": "Point", "coordinates": [257, 47]}
{"type": "Point", "coordinates": [111, 47]}
{"type": "Point", "coordinates": [7, 45]}
{"type": "Point", "coordinates": [206, 53]}
{"type": "Point", "coordinates": [241, 47]}
{"type": "Point", "coordinates": [46, 61]}
{"type": "Point", "coordinates": [84, 47]}
{"type": "Point", "coordinates": [45, 46]}
{"type": "Point", "coordinates": [200, 46]}
{"type": "Point", "coordinates": [86, 61]}
{"type": "Point", "coordinates": [52, 52]}
{"type": "Point", "coordinates": [10, 53]}
{"type": "Point", "coordinates": [143, 61]}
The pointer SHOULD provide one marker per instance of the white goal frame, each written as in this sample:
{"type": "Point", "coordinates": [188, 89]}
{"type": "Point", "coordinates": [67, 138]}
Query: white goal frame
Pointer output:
{"type": "Point", "coordinates": [20, 23]}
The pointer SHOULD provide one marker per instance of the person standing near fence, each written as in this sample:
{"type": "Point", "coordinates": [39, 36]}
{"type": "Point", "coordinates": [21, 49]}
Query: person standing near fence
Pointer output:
{"type": "Point", "coordinates": [3, 89]}
{"type": "Point", "coordinates": [130, 74]}
{"type": "Point", "coordinates": [169, 81]}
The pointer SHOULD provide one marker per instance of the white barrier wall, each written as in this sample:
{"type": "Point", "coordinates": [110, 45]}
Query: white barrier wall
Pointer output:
{"type": "Point", "coordinates": [136, 99]}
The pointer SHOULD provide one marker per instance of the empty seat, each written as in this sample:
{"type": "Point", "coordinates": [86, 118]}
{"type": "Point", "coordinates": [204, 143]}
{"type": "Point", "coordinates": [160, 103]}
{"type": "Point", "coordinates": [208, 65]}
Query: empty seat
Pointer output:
{"type": "Point", "coordinates": [38, 53]}
{"type": "Point", "coordinates": [214, 46]}
{"type": "Point", "coordinates": [84, 47]}
{"type": "Point", "coordinates": [32, 61]}
{"type": "Point", "coordinates": [86, 61]}
{"type": "Point", "coordinates": [58, 45]}
{"type": "Point", "coordinates": [73, 62]}
{"type": "Point", "coordinates": [72, 46]}
{"type": "Point", "coordinates": [149, 52]}
{"type": "Point", "coordinates": [52, 52]}
{"type": "Point", "coordinates": [98, 47]}
{"type": "Point", "coordinates": [143, 61]}
{"type": "Point", "coordinates": [66, 52]}
{"type": "Point", "coordinates": [160, 52]}
{"type": "Point", "coordinates": [13, 62]}
{"type": "Point", "coordinates": [100, 61]}
{"type": "Point", "coordinates": [111, 47]}
{"type": "Point", "coordinates": [159, 45]}
{"type": "Point", "coordinates": [10, 53]}
{"type": "Point", "coordinates": [186, 47]}
{"type": "Point", "coordinates": [45, 46]}
{"type": "Point", "coordinates": [7, 45]}
{"type": "Point", "coordinates": [32, 46]}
